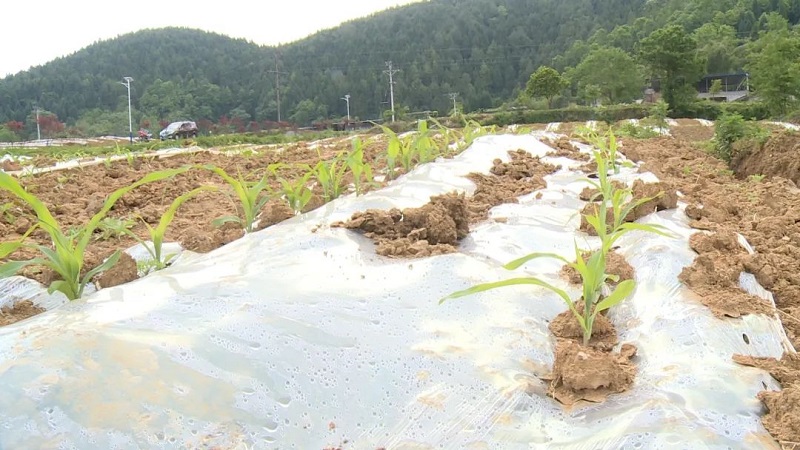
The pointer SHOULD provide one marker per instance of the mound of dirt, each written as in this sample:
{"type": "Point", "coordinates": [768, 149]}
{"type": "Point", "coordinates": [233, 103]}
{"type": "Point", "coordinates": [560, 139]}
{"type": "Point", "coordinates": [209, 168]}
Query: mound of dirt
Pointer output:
{"type": "Point", "coordinates": [714, 275]}
{"type": "Point", "coordinates": [566, 326]}
{"type": "Point", "coordinates": [778, 157]}
{"type": "Point", "coordinates": [581, 373]}
{"type": "Point", "coordinates": [123, 271]}
{"type": "Point", "coordinates": [507, 181]}
{"type": "Point", "coordinates": [563, 147]}
{"type": "Point", "coordinates": [20, 311]}
{"type": "Point", "coordinates": [432, 229]}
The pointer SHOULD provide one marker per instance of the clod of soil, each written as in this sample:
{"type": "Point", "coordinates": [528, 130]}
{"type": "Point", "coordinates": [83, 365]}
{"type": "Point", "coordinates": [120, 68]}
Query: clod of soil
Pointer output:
{"type": "Point", "coordinates": [10, 166]}
{"type": "Point", "coordinates": [506, 182]}
{"type": "Point", "coordinates": [20, 311]}
{"type": "Point", "coordinates": [615, 265]}
{"type": "Point", "coordinates": [122, 272]}
{"type": "Point", "coordinates": [783, 414]}
{"type": "Point", "coordinates": [766, 212]}
{"type": "Point", "coordinates": [566, 326]}
{"type": "Point", "coordinates": [786, 370]}
{"type": "Point", "coordinates": [581, 373]}
{"type": "Point", "coordinates": [432, 229]}
{"type": "Point", "coordinates": [714, 276]}
{"type": "Point", "coordinates": [778, 157]}
{"type": "Point", "coordinates": [202, 241]}
{"type": "Point", "coordinates": [563, 147]}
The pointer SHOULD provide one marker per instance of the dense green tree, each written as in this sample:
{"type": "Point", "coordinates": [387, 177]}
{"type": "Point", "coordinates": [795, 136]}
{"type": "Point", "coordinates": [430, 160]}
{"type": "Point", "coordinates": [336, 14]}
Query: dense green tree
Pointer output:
{"type": "Point", "coordinates": [775, 65]}
{"type": "Point", "coordinates": [671, 55]}
{"type": "Point", "coordinates": [611, 72]}
{"type": "Point", "coordinates": [483, 49]}
{"type": "Point", "coordinates": [718, 46]}
{"type": "Point", "coordinates": [545, 82]}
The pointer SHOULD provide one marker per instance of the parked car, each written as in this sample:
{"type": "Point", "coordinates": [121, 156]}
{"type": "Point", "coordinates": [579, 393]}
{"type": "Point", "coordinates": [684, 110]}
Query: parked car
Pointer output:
{"type": "Point", "coordinates": [179, 130]}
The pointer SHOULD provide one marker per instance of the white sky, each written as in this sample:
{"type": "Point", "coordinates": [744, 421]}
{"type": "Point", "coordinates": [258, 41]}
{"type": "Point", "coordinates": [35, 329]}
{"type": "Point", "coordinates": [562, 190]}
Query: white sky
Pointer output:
{"type": "Point", "coordinates": [34, 32]}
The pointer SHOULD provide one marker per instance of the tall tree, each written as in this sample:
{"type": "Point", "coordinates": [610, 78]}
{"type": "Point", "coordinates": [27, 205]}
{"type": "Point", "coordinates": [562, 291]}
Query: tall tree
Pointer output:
{"type": "Point", "coordinates": [545, 82]}
{"type": "Point", "coordinates": [611, 71]}
{"type": "Point", "coordinates": [671, 55]}
{"type": "Point", "coordinates": [775, 65]}
{"type": "Point", "coordinates": [718, 46]}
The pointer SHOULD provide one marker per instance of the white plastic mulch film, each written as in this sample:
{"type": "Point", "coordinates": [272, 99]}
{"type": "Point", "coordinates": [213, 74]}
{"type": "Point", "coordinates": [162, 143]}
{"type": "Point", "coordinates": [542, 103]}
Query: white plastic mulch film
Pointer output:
{"type": "Point", "coordinates": [299, 336]}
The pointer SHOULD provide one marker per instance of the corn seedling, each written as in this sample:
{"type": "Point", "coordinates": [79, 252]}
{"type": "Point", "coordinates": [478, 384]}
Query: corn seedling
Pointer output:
{"type": "Point", "coordinates": [66, 258]}
{"type": "Point", "coordinates": [112, 227]}
{"type": "Point", "coordinates": [330, 175]}
{"type": "Point", "coordinates": [422, 149]}
{"type": "Point", "coordinates": [157, 234]}
{"type": "Point", "coordinates": [593, 270]}
{"type": "Point", "coordinates": [359, 168]}
{"type": "Point", "coordinates": [296, 191]}
{"type": "Point", "coordinates": [393, 151]}
{"type": "Point", "coordinates": [592, 274]}
{"type": "Point", "coordinates": [251, 195]}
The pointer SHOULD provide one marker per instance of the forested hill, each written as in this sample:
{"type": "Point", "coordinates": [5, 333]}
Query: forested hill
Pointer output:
{"type": "Point", "coordinates": [483, 50]}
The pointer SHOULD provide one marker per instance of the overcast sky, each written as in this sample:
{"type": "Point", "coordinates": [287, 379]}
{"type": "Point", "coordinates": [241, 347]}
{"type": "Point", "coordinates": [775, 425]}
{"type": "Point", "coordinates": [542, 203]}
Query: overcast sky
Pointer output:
{"type": "Point", "coordinates": [38, 31]}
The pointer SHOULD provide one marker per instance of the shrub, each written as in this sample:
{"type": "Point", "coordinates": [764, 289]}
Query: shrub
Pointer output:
{"type": "Point", "coordinates": [730, 129]}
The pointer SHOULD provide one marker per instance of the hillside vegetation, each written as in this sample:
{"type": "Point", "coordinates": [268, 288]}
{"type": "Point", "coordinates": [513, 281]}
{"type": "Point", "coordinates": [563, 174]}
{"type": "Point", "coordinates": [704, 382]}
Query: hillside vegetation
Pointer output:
{"type": "Point", "coordinates": [482, 50]}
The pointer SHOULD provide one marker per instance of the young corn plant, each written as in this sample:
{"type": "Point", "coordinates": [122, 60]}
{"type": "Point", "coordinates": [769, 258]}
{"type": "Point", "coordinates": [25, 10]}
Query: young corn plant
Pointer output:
{"type": "Point", "coordinates": [393, 151]}
{"type": "Point", "coordinates": [593, 270]}
{"type": "Point", "coordinates": [593, 276]}
{"type": "Point", "coordinates": [296, 191]}
{"type": "Point", "coordinates": [362, 171]}
{"type": "Point", "coordinates": [66, 258]}
{"type": "Point", "coordinates": [423, 147]}
{"type": "Point", "coordinates": [155, 247]}
{"type": "Point", "coordinates": [251, 195]}
{"type": "Point", "coordinates": [330, 175]}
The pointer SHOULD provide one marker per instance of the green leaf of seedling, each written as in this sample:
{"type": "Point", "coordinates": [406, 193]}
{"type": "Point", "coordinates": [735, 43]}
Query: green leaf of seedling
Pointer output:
{"type": "Point", "coordinates": [620, 293]}
{"type": "Point", "coordinates": [515, 264]}
{"type": "Point", "coordinates": [220, 221]}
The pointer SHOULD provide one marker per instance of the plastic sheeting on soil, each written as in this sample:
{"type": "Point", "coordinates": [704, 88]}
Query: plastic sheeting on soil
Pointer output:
{"type": "Point", "coordinates": [299, 336]}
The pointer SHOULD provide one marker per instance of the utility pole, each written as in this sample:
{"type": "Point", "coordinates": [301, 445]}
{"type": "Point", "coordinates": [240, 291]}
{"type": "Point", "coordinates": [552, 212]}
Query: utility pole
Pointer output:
{"type": "Point", "coordinates": [38, 131]}
{"type": "Point", "coordinates": [453, 96]}
{"type": "Point", "coordinates": [278, 83]}
{"type": "Point", "coordinates": [130, 117]}
{"type": "Point", "coordinates": [391, 73]}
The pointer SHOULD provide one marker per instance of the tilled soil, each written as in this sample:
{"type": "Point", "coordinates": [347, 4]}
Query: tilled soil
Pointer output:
{"type": "Point", "coordinates": [73, 196]}
{"type": "Point", "coordinates": [436, 227]}
{"type": "Point", "coordinates": [767, 214]}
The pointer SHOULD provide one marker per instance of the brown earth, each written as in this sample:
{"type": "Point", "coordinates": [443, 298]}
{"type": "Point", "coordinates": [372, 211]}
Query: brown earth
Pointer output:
{"type": "Point", "coordinates": [767, 214]}
{"type": "Point", "coordinates": [690, 130]}
{"type": "Point", "coordinates": [780, 156]}
{"type": "Point", "coordinates": [74, 195]}
{"type": "Point", "coordinates": [433, 229]}
{"type": "Point", "coordinates": [506, 182]}
{"type": "Point", "coordinates": [587, 374]}
{"type": "Point", "coordinates": [564, 148]}
{"type": "Point", "coordinates": [436, 227]}
{"type": "Point", "coordinates": [20, 311]}
{"type": "Point", "coordinates": [566, 326]}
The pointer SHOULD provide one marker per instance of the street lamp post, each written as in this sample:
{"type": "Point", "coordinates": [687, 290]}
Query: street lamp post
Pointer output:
{"type": "Point", "coordinates": [347, 99]}
{"type": "Point", "coordinates": [127, 83]}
